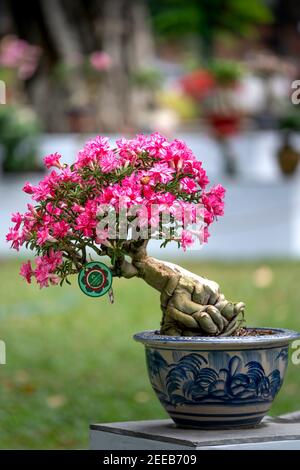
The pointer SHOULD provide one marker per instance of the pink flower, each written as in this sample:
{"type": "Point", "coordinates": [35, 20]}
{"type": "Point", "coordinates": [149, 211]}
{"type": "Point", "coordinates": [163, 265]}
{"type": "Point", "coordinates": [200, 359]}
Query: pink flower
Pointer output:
{"type": "Point", "coordinates": [60, 229]}
{"type": "Point", "coordinates": [129, 150]}
{"type": "Point", "coordinates": [219, 191]}
{"type": "Point", "coordinates": [52, 160]}
{"type": "Point", "coordinates": [17, 218]}
{"type": "Point", "coordinates": [53, 210]}
{"type": "Point", "coordinates": [195, 168]}
{"type": "Point", "coordinates": [30, 218]}
{"type": "Point", "coordinates": [45, 189]}
{"type": "Point", "coordinates": [26, 271]}
{"type": "Point", "coordinates": [214, 200]}
{"type": "Point", "coordinates": [165, 199]}
{"type": "Point", "coordinates": [45, 268]}
{"type": "Point", "coordinates": [66, 175]}
{"type": "Point", "coordinates": [77, 208]}
{"type": "Point", "coordinates": [43, 236]}
{"type": "Point", "coordinates": [126, 194]}
{"type": "Point", "coordinates": [176, 162]}
{"type": "Point", "coordinates": [184, 212]}
{"type": "Point", "coordinates": [100, 61]}
{"type": "Point", "coordinates": [86, 221]}
{"type": "Point", "coordinates": [14, 237]}
{"type": "Point", "coordinates": [28, 188]}
{"type": "Point", "coordinates": [208, 217]}
{"type": "Point", "coordinates": [42, 192]}
{"type": "Point", "coordinates": [54, 279]}
{"type": "Point", "coordinates": [109, 195]}
{"type": "Point", "coordinates": [148, 193]}
{"type": "Point", "coordinates": [109, 162]}
{"type": "Point", "coordinates": [206, 234]}
{"type": "Point", "coordinates": [102, 237]}
{"type": "Point", "coordinates": [186, 239]}
{"type": "Point", "coordinates": [54, 259]}
{"type": "Point", "coordinates": [161, 173]}
{"type": "Point", "coordinates": [92, 152]}
{"type": "Point", "coordinates": [43, 276]}
{"type": "Point", "coordinates": [188, 185]}
{"type": "Point", "coordinates": [178, 151]}
{"type": "Point", "coordinates": [156, 145]}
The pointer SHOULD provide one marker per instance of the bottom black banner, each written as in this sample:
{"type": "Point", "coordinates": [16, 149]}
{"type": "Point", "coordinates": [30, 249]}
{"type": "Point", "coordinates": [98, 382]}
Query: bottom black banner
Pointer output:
{"type": "Point", "coordinates": [136, 459]}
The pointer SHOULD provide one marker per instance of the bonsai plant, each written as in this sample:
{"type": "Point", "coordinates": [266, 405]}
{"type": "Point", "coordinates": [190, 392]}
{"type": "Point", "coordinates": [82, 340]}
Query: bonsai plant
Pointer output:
{"type": "Point", "coordinates": [81, 111]}
{"type": "Point", "coordinates": [223, 112]}
{"type": "Point", "coordinates": [215, 90]}
{"type": "Point", "coordinates": [205, 367]}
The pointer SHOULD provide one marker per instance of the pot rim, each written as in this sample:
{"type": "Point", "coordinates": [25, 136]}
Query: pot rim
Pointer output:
{"type": "Point", "coordinates": [280, 336]}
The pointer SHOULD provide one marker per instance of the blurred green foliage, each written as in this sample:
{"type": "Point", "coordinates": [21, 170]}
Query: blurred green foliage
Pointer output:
{"type": "Point", "coordinates": [290, 119]}
{"type": "Point", "coordinates": [71, 360]}
{"type": "Point", "coordinates": [207, 18]}
{"type": "Point", "coordinates": [18, 139]}
{"type": "Point", "coordinates": [148, 77]}
{"type": "Point", "coordinates": [225, 72]}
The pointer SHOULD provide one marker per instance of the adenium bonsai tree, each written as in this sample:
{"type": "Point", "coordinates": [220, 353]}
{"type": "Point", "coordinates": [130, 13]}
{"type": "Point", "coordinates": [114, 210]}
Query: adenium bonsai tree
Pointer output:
{"type": "Point", "coordinates": [77, 216]}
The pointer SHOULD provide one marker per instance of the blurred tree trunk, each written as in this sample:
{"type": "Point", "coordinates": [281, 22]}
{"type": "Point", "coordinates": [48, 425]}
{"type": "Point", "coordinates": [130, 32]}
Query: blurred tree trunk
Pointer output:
{"type": "Point", "coordinates": [67, 43]}
{"type": "Point", "coordinates": [126, 37]}
{"type": "Point", "coordinates": [68, 29]}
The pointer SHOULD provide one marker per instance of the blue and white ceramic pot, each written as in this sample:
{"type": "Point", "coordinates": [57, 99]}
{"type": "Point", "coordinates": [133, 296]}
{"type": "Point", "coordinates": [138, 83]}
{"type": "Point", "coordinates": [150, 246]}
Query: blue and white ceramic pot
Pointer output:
{"type": "Point", "coordinates": [209, 382]}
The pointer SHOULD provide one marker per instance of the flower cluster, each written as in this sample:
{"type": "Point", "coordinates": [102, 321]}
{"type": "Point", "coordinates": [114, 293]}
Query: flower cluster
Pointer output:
{"type": "Point", "coordinates": [146, 176]}
{"type": "Point", "coordinates": [19, 55]}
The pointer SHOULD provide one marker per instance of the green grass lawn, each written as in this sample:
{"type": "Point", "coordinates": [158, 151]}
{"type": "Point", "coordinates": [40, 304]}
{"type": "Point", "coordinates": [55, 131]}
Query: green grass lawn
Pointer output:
{"type": "Point", "coordinates": [71, 359]}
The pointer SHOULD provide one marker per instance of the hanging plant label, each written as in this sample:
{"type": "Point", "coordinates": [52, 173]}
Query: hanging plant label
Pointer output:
{"type": "Point", "coordinates": [95, 279]}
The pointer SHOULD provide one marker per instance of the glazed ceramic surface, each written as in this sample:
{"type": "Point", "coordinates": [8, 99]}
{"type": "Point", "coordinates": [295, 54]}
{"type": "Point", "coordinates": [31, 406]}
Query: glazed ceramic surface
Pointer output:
{"type": "Point", "coordinates": [217, 382]}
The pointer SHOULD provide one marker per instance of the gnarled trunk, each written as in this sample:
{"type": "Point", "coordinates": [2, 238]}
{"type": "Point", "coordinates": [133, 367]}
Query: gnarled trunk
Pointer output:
{"type": "Point", "coordinates": [191, 305]}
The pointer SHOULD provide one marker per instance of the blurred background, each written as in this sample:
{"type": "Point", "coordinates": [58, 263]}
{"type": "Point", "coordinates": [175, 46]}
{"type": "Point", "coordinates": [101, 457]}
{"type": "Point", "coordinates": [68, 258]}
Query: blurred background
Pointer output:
{"type": "Point", "coordinates": [219, 74]}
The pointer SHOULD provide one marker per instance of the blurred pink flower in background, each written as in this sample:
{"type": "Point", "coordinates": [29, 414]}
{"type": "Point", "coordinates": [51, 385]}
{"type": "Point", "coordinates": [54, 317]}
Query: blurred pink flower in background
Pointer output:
{"type": "Point", "coordinates": [100, 61]}
{"type": "Point", "coordinates": [18, 54]}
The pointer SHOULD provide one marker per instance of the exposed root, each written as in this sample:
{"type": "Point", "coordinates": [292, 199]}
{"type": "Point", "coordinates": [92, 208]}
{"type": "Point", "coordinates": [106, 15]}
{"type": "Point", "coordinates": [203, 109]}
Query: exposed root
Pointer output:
{"type": "Point", "coordinates": [191, 305]}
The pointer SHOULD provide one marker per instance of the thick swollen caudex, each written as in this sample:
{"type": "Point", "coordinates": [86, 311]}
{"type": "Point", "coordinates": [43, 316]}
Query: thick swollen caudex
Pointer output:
{"type": "Point", "coordinates": [191, 304]}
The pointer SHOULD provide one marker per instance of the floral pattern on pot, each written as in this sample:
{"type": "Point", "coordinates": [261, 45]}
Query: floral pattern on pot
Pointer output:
{"type": "Point", "coordinates": [232, 388]}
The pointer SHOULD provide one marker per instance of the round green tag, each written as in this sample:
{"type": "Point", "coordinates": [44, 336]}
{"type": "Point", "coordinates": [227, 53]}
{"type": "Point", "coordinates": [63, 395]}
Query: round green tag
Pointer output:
{"type": "Point", "coordinates": [95, 279]}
